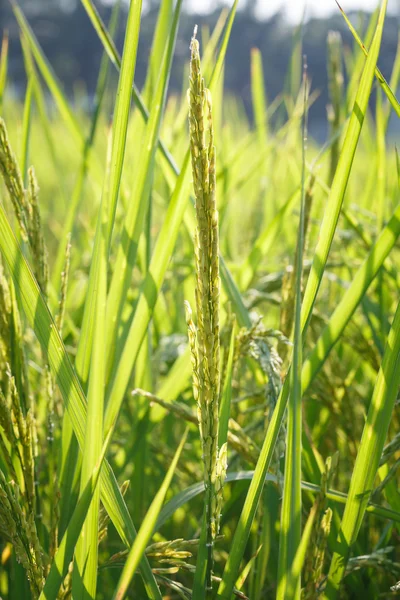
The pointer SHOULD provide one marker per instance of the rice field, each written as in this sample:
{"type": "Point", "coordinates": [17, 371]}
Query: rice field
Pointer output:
{"type": "Point", "coordinates": [199, 327]}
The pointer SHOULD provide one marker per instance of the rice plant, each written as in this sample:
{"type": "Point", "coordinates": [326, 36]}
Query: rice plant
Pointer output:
{"type": "Point", "coordinates": [199, 326]}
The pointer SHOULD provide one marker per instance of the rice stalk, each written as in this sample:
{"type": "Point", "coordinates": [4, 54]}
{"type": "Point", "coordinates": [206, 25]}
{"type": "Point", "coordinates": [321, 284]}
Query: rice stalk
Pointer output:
{"type": "Point", "coordinates": [64, 286]}
{"type": "Point", "coordinates": [204, 340]}
{"type": "Point", "coordinates": [18, 527]}
{"type": "Point", "coordinates": [13, 179]}
{"type": "Point", "coordinates": [314, 561]}
{"type": "Point", "coordinates": [26, 206]}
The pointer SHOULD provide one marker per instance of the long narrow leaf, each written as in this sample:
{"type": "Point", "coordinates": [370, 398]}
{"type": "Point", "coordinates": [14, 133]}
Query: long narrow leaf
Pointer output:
{"type": "Point", "coordinates": [84, 580]}
{"type": "Point", "coordinates": [160, 42]}
{"type": "Point", "coordinates": [146, 530]}
{"type": "Point", "coordinates": [198, 488]}
{"type": "Point", "coordinates": [120, 126]}
{"type": "Point", "coordinates": [258, 96]}
{"type": "Point", "coordinates": [382, 81]}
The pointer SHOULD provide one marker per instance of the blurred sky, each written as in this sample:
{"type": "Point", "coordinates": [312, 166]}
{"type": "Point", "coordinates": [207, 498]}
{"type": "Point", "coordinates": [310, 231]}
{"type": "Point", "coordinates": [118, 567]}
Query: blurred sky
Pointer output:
{"type": "Point", "coordinates": [294, 8]}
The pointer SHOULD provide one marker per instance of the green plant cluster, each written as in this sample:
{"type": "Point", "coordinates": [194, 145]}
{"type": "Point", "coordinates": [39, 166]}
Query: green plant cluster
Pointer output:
{"type": "Point", "coordinates": [247, 449]}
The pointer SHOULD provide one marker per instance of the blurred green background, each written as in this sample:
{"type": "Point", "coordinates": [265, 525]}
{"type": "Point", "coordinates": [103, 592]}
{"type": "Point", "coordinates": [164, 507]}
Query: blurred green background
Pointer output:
{"type": "Point", "coordinates": [71, 44]}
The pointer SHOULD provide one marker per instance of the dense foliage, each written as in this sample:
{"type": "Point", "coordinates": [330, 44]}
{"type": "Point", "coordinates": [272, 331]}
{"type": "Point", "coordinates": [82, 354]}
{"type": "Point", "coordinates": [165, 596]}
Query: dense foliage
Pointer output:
{"type": "Point", "coordinates": [199, 323]}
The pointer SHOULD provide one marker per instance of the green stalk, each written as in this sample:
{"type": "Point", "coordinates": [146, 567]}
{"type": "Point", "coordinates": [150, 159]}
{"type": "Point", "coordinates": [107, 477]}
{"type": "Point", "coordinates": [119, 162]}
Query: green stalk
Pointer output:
{"type": "Point", "coordinates": [294, 572]}
{"type": "Point", "coordinates": [290, 532]}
